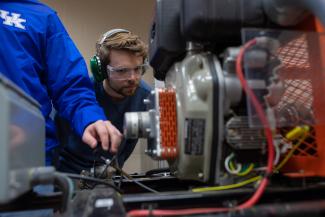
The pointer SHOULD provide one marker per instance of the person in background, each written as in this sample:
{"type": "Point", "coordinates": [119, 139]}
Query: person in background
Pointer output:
{"type": "Point", "coordinates": [117, 69]}
{"type": "Point", "coordinates": [39, 56]}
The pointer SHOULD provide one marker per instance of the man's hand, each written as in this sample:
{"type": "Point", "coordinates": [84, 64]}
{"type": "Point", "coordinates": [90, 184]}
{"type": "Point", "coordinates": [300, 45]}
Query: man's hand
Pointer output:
{"type": "Point", "coordinates": [104, 132]}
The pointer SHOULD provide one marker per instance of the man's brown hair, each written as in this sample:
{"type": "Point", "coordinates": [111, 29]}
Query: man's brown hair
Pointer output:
{"type": "Point", "coordinates": [120, 41]}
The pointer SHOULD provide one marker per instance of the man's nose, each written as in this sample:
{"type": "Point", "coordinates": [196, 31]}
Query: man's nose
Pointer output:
{"type": "Point", "coordinates": [133, 75]}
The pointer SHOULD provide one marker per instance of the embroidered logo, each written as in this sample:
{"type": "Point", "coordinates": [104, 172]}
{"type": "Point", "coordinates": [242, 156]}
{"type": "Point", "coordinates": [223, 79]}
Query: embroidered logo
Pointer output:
{"type": "Point", "coordinates": [12, 19]}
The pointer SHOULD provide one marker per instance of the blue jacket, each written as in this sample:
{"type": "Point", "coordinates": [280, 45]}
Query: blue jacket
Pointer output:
{"type": "Point", "coordinates": [77, 156]}
{"type": "Point", "coordinates": [37, 54]}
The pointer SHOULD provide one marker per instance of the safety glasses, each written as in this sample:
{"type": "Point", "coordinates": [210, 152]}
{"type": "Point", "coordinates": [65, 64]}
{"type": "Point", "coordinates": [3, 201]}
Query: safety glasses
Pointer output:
{"type": "Point", "coordinates": [123, 73]}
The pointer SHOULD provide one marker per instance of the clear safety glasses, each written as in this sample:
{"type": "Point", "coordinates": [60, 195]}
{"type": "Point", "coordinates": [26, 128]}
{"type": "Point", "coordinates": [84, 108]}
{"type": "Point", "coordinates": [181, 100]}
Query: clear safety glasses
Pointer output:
{"type": "Point", "coordinates": [123, 73]}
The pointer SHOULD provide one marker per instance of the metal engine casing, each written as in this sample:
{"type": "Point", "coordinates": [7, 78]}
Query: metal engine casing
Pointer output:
{"type": "Point", "coordinates": [193, 83]}
{"type": "Point", "coordinates": [204, 94]}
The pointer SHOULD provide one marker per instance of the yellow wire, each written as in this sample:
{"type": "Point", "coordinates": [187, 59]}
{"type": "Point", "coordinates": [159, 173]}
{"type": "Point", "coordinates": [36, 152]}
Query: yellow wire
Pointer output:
{"type": "Point", "coordinates": [248, 170]}
{"type": "Point", "coordinates": [231, 165]}
{"type": "Point", "coordinates": [297, 132]}
{"type": "Point", "coordinates": [293, 134]}
{"type": "Point", "coordinates": [225, 187]}
{"type": "Point", "coordinates": [244, 173]}
{"type": "Point", "coordinates": [289, 155]}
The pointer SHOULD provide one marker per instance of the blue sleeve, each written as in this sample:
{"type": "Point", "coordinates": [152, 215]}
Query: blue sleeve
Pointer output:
{"type": "Point", "coordinates": [67, 79]}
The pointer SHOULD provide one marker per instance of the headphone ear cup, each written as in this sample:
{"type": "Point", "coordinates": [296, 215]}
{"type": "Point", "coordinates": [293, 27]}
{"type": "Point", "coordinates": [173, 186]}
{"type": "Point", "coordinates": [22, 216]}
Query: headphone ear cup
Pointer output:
{"type": "Point", "coordinates": [96, 69]}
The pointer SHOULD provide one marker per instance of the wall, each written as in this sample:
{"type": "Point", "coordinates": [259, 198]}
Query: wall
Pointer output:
{"type": "Point", "coordinates": [86, 21]}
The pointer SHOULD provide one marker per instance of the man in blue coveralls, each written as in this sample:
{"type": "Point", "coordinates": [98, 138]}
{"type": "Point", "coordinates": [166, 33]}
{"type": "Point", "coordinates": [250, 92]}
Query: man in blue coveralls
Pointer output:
{"type": "Point", "coordinates": [40, 57]}
{"type": "Point", "coordinates": [117, 68]}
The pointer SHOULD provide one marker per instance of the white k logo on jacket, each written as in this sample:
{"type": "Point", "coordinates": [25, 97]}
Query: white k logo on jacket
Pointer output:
{"type": "Point", "coordinates": [12, 19]}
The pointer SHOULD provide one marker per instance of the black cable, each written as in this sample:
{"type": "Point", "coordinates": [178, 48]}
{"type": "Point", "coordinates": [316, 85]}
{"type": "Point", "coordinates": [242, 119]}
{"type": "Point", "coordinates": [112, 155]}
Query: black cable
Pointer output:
{"type": "Point", "coordinates": [91, 179]}
{"type": "Point", "coordinates": [123, 173]}
{"type": "Point", "coordinates": [107, 165]}
{"type": "Point", "coordinates": [157, 171]}
{"type": "Point", "coordinates": [115, 164]}
{"type": "Point", "coordinates": [94, 168]}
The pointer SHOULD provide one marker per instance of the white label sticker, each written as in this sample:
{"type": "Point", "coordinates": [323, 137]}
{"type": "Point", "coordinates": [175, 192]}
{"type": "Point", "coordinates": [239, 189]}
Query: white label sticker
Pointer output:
{"type": "Point", "coordinates": [104, 202]}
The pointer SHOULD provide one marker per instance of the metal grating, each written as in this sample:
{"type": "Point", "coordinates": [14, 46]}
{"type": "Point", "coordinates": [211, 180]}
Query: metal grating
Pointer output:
{"type": "Point", "coordinates": [296, 104]}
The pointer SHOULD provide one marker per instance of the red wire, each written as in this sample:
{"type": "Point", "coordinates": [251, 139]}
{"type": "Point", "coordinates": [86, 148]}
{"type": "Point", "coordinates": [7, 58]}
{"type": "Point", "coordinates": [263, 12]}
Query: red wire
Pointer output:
{"type": "Point", "coordinates": [175, 212]}
{"type": "Point", "coordinates": [268, 132]}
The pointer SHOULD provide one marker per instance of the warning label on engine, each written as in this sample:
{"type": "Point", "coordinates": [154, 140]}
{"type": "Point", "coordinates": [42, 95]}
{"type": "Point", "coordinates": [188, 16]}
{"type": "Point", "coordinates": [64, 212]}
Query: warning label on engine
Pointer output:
{"type": "Point", "coordinates": [194, 136]}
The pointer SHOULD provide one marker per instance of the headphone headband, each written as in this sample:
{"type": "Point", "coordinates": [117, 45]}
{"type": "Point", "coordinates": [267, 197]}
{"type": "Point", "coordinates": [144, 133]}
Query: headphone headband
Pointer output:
{"type": "Point", "coordinates": [111, 33]}
{"type": "Point", "coordinates": [96, 66]}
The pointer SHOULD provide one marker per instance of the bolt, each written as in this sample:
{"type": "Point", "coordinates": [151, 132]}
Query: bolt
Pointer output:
{"type": "Point", "coordinates": [107, 161]}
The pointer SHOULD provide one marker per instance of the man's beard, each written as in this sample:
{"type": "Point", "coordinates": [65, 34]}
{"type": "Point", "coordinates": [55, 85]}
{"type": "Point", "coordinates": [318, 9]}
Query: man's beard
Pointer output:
{"type": "Point", "coordinates": [126, 90]}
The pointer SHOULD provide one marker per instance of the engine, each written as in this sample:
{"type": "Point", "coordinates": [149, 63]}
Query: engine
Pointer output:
{"type": "Point", "coordinates": [242, 93]}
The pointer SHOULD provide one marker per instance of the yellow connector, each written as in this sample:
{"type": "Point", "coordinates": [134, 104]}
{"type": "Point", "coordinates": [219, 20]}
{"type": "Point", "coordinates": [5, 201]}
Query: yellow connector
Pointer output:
{"type": "Point", "coordinates": [297, 132]}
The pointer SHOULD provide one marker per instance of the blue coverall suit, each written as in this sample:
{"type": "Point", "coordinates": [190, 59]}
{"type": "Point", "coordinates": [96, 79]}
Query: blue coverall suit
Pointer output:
{"type": "Point", "coordinates": [39, 56]}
